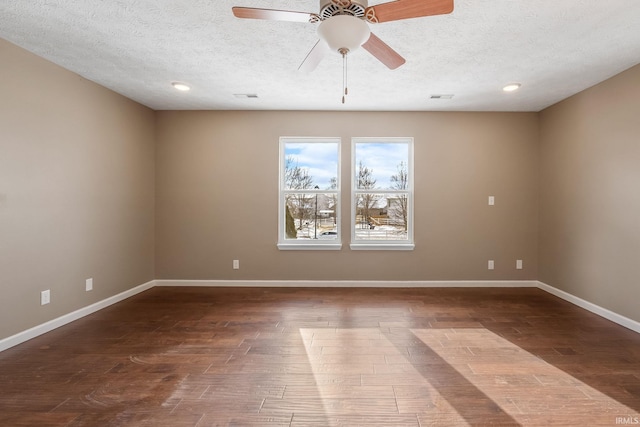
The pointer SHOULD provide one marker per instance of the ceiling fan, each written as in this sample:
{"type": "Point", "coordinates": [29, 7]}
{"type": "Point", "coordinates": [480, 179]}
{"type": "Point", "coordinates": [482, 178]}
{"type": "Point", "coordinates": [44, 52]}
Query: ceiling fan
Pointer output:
{"type": "Point", "coordinates": [343, 26]}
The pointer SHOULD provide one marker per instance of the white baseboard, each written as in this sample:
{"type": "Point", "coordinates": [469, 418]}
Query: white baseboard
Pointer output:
{"type": "Point", "coordinates": [23, 336]}
{"type": "Point", "coordinates": [596, 309]}
{"type": "Point", "coordinates": [353, 283]}
{"type": "Point", "coordinates": [68, 318]}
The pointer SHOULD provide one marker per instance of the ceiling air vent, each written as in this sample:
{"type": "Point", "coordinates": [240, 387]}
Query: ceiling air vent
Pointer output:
{"type": "Point", "coordinates": [443, 96]}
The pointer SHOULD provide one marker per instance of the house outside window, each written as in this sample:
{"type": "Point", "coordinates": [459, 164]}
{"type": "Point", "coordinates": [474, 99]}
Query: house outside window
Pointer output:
{"type": "Point", "coordinates": [309, 192]}
{"type": "Point", "coordinates": [382, 194]}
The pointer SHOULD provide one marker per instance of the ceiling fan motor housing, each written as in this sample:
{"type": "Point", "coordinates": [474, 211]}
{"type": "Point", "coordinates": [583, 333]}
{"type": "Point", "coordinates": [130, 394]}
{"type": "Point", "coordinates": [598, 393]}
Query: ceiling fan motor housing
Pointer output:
{"type": "Point", "coordinates": [329, 8]}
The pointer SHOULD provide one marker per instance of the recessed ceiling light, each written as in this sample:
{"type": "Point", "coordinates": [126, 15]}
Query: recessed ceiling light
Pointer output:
{"type": "Point", "coordinates": [511, 87]}
{"type": "Point", "coordinates": [181, 86]}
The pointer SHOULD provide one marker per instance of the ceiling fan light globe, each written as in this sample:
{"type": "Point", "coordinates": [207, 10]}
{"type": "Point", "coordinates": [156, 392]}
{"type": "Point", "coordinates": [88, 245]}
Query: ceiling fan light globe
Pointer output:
{"type": "Point", "coordinates": [344, 31]}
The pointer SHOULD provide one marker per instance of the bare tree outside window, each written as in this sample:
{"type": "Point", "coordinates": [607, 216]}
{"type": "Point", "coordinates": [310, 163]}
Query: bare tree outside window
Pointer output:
{"type": "Point", "coordinates": [398, 206]}
{"type": "Point", "coordinates": [332, 198]}
{"type": "Point", "coordinates": [297, 178]}
{"type": "Point", "coordinates": [366, 201]}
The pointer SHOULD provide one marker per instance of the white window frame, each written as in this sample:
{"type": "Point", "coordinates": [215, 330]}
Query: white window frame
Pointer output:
{"type": "Point", "coordinates": [403, 245]}
{"type": "Point", "coordinates": [291, 244]}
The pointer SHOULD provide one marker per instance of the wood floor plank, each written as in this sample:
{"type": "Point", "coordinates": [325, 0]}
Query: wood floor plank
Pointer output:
{"type": "Point", "coordinates": [354, 420]}
{"type": "Point", "coordinates": [241, 420]}
{"type": "Point", "coordinates": [340, 391]}
{"type": "Point", "coordinates": [331, 406]}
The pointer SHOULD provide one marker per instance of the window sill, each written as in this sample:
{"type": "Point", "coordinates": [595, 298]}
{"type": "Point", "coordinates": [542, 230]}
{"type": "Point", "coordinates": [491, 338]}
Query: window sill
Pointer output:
{"type": "Point", "coordinates": [382, 246]}
{"type": "Point", "coordinates": [309, 246]}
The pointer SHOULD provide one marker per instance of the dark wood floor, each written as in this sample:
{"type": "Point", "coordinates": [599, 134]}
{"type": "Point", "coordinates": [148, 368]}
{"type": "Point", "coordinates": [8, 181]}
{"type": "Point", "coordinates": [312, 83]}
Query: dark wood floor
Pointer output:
{"type": "Point", "coordinates": [327, 357]}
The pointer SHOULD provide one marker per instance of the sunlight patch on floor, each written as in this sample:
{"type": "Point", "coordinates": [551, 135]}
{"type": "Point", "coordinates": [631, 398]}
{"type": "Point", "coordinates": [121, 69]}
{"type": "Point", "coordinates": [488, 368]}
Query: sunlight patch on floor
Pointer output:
{"type": "Point", "coordinates": [447, 377]}
{"type": "Point", "coordinates": [523, 384]}
{"type": "Point", "coordinates": [362, 354]}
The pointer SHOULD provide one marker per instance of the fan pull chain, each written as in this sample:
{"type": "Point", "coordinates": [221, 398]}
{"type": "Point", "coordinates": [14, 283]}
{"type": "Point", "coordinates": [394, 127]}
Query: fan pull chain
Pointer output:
{"type": "Point", "coordinates": [344, 52]}
{"type": "Point", "coordinates": [346, 68]}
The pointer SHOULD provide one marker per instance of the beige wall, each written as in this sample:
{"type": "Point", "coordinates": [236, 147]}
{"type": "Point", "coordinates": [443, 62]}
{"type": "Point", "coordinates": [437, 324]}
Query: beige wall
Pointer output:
{"type": "Point", "coordinates": [76, 191]}
{"type": "Point", "coordinates": [590, 194]}
{"type": "Point", "coordinates": [217, 181]}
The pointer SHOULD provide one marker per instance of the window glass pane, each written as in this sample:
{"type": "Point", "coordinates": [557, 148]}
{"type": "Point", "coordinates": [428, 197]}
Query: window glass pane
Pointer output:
{"type": "Point", "coordinates": [381, 165]}
{"type": "Point", "coordinates": [310, 165]}
{"type": "Point", "coordinates": [381, 216]}
{"type": "Point", "coordinates": [311, 216]}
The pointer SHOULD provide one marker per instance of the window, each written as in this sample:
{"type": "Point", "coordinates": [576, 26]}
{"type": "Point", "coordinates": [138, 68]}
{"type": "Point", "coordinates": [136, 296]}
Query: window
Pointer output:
{"type": "Point", "coordinates": [309, 214]}
{"type": "Point", "coordinates": [382, 193]}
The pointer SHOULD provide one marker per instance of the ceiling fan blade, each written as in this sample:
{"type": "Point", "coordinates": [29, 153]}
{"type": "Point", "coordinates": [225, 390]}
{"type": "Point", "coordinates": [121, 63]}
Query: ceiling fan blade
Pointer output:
{"type": "Point", "coordinates": [272, 14]}
{"type": "Point", "coordinates": [314, 57]}
{"type": "Point", "coordinates": [383, 52]}
{"type": "Point", "coordinates": [405, 9]}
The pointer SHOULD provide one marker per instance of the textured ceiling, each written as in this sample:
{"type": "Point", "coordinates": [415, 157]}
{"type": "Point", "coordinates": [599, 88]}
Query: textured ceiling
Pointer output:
{"type": "Point", "coordinates": [555, 48]}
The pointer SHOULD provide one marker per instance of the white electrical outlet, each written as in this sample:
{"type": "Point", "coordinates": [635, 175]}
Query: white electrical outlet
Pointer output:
{"type": "Point", "coordinates": [45, 297]}
{"type": "Point", "coordinates": [490, 264]}
{"type": "Point", "coordinates": [236, 264]}
{"type": "Point", "coordinates": [88, 285]}
{"type": "Point", "coordinates": [519, 264]}
{"type": "Point", "coordinates": [492, 200]}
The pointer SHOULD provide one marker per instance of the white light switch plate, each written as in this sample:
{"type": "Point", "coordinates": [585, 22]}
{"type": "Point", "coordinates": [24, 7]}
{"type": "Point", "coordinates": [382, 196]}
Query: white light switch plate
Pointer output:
{"type": "Point", "coordinates": [45, 297]}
